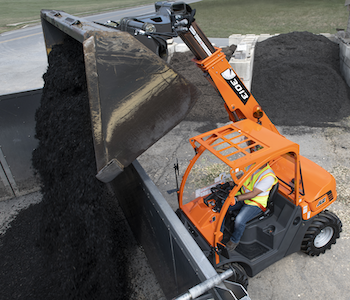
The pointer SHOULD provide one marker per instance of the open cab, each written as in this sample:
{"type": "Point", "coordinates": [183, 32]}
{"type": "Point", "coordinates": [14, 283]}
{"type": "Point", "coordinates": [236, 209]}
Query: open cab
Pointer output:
{"type": "Point", "coordinates": [233, 153]}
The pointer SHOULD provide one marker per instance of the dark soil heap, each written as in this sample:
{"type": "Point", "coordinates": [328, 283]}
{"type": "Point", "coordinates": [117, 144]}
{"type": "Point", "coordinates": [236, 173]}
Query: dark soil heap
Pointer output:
{"type": "Point", "coordinates": [73, 247]}
{"type": "Point", "coordinates": [297, 80]}
{"type": "Point", "coordinates": [210, 106]}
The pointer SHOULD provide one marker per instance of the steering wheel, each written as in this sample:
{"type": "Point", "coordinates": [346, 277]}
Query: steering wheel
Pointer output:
{"type": "Point", "coordinates": [219, 193]}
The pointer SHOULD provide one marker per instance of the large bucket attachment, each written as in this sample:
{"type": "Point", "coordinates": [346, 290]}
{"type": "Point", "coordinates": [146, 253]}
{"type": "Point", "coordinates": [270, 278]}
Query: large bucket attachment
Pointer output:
{"type": "Point", "coordinates": [135, 97]}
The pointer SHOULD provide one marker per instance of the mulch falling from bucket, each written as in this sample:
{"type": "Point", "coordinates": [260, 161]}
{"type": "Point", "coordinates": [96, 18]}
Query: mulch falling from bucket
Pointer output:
{"type": "Point", "coordinates": [80, 248]}
{"type": "Point", "coordinates": [84, 244]}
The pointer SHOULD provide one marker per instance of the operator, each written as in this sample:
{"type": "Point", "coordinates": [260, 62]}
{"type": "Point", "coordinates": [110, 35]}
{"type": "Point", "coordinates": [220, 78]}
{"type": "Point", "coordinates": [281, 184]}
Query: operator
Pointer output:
{"type": "Point", "coordinates": [250, 201]}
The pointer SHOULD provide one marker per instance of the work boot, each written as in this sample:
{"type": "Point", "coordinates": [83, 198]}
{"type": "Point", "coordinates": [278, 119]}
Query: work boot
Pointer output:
{"type": "Point", "coordinates": [231, 245]}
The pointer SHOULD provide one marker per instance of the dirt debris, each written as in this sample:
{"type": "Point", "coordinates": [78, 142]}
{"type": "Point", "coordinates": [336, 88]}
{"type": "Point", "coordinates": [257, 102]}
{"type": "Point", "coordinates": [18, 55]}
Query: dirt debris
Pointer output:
{"type": "Point", "coordinates": [342, 206]}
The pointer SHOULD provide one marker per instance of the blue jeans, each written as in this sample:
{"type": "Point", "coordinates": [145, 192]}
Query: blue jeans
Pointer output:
{"type": "Point", "coordinates": [246, 213]}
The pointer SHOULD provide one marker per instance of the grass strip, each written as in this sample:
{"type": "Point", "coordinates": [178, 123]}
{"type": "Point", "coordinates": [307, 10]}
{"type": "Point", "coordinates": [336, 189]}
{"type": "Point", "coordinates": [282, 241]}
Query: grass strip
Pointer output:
{"type": "Point", "coordinates": [217, 18]}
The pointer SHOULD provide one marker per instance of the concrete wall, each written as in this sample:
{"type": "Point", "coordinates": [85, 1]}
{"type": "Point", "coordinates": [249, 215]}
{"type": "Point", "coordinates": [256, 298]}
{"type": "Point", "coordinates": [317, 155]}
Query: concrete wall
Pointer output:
{"type": "Point", "coordinates": [344, 55]}
{"type": "Point", "coordinates": [17, 141]}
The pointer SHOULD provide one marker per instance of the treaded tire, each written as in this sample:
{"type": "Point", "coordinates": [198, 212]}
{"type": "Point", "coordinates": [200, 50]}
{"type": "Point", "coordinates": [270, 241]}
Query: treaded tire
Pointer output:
{"type": "Point", "coordinates": [240, 276]}
{"type": "Point", "coordinates": [322, 233]}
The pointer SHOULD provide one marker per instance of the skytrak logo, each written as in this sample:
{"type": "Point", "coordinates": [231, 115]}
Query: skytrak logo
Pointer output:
{"type": "Point", "coordinates": [236, 84]}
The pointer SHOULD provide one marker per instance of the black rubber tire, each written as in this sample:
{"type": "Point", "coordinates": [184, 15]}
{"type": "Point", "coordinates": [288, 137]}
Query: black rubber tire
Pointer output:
{"type": "Point", "coordinates": [322, 233]}
{"type": "Point", "coordinates": [240, 276]}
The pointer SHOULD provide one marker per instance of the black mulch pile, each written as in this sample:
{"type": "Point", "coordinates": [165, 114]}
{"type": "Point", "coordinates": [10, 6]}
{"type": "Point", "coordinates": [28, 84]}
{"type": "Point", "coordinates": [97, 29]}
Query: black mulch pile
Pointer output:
{"type": "Point", "coordinates": [297, 80]}
{"type": "Point", "coordinates": [71, 245]}
{"type": "Point", "coordinates": [210, 106]}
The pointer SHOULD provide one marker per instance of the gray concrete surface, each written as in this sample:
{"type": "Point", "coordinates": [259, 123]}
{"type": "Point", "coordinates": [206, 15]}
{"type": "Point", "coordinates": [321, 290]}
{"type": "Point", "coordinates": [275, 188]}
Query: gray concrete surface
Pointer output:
{"type": "Point", "coordinates": [22, 63]}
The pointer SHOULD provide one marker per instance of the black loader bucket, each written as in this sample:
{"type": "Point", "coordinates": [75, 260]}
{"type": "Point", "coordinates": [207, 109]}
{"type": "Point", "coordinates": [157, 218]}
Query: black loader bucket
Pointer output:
{"type": "Point", "coordinates": [135, 97]}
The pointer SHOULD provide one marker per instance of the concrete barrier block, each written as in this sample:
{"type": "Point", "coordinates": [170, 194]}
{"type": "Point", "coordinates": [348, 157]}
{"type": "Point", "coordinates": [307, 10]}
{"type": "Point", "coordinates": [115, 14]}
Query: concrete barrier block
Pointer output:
{"type": "Point", "coordinates": [181, 48]}
{"type": "Point", "coordinates": [265, 36]}
{"type": "Point", "coordinates": [242, 67]}
{"type": "Point", "coordinates": [344, 58]}
{"type": "Point", "coordinates": [344, 53]}
{"type": "Point", "coordinates": [330, 36]}
{"type": "Point", "coordinates": [243, 59]}
{"type": "Point", "coordinates": [235, 39]}
{"type": "Point", "coordinates": [171, 50]}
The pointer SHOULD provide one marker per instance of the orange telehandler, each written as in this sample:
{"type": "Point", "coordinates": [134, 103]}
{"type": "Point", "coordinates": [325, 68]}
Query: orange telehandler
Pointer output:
{"type": "Point", "coordinates": [296, 217]}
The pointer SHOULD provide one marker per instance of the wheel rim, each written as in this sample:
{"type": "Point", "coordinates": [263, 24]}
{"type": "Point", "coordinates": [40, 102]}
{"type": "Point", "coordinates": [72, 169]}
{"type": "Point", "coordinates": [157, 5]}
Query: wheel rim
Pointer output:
{"type": "Point", "coordinates": [323, 237]}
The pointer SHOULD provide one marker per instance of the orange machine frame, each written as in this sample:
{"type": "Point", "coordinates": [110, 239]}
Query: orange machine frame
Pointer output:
{"type": "Point", "coordinates": [312, 188]}
{"type": "Point", "coordinates": [238, 109]}
{"type": "Point", "coordinates": [272, 147]}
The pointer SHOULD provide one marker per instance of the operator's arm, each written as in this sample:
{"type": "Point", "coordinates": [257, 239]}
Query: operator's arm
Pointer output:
{"type": "Point", "coordinates": [255, 192]}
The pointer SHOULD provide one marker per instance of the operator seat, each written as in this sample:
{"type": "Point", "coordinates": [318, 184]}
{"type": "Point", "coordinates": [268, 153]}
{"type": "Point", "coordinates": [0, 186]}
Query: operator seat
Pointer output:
{"type": "Point", "coordinates": [269, 207]}
{"type": "Point", "coordinates": [260, 216]}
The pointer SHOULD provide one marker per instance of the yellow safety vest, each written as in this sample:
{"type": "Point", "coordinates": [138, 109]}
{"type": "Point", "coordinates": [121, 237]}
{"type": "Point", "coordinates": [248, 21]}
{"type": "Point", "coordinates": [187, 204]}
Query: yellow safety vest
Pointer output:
{"type": "Point", "coordinates": [248, 186]}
